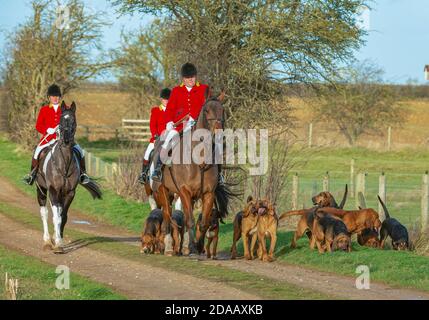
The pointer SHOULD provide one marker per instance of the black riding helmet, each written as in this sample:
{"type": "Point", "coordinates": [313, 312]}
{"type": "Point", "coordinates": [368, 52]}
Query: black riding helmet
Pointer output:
{"type": "Point", "coordinates": [165, 93]}
{"type": "Point", "coordinates": [188, 70]}
{"type": "Point", "coordinates": [54, 91]}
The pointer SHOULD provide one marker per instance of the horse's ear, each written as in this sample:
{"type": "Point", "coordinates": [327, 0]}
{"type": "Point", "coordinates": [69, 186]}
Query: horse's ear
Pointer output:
{"type": "Point", "coordinates": [73, 107]}
{"type": "Point", "coordinates": [249, 198]}
{"type": "Point", "coordinates": [208, 93]}
{"type": "Point", "coordinates": [221, 96]}
{"type": "Point", "coordinates": [63, 106]}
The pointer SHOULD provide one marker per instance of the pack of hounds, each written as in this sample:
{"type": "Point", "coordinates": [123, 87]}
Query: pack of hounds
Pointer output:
{"type": "Point", "coordinates": [327, 225]}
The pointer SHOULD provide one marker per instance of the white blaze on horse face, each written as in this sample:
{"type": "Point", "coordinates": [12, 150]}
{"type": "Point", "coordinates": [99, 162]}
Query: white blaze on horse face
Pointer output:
{"type": "Point", "coordinates": [44, 213]}
{"type": "Point", "coordinates": [56, 211]}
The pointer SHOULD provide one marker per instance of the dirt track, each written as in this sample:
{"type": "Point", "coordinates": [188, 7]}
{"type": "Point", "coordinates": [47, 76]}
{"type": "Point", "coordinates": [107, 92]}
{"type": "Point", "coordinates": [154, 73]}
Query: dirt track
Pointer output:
{"type": "Point", "coordinates": [137, 280]}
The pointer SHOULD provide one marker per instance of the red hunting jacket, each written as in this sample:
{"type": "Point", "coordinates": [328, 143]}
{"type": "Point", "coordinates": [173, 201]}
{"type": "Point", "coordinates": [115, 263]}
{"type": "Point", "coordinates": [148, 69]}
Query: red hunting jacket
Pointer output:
{"type": "Point", "coordinates": [157, 122]}
{"type": "Point", "coordinates": [182, 103]}
{"type": "Point", "coordinates": [48, 118]}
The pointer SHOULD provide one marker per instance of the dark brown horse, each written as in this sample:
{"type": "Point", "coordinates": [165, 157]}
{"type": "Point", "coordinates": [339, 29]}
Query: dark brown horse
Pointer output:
{"type": "Point", "coordinates": [58, 177]}
{"type": "Point", "coordinates": [195, 181]}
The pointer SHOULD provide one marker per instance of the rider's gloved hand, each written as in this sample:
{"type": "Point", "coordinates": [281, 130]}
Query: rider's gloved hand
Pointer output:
{"type": "Point", "coordinates": [170, 125]}
{"type": "Point", "coordinates": [50, 131]}
{"type": "Point", "coordinates": [189, 124]}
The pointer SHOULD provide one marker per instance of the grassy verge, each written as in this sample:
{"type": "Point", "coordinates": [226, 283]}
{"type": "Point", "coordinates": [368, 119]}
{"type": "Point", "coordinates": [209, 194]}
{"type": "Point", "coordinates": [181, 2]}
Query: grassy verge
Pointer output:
{"type": "Point", "coordinates": [37, 280]}
{"type": "Point", "coordinates": [14, 164]}
{"type": "Point", "coordinates": [264, 287]}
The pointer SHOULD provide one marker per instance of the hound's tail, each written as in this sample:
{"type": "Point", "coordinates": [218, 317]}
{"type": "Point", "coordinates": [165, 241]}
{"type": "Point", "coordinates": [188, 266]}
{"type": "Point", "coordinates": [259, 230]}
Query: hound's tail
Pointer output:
{"type": "Point", "coordinates": [224, 195]}
{"type": "Point", "coordinates": [284, 215]}
{"type": "Point", "coordinates": [386, 212]}
{"type": "Point", "coordinates": [94, 189]}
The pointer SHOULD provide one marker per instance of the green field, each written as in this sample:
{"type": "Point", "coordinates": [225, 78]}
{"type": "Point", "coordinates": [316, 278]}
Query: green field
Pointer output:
{"type": "Point", "coordinates": [405, 269]}
{"type": "Point", "coordinates": [37, 280]}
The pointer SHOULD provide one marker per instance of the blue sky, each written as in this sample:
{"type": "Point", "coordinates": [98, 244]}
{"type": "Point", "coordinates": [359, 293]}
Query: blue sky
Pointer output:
{"type": "Point", "coordinates": [398, 37]}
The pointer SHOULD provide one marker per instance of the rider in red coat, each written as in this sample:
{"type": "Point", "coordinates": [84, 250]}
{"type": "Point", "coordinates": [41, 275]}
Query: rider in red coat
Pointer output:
{"type": "Point", "coordinates": [185, 102]}
{"type": "Point", "coordinates": [157, 126]}
{"type": "Point", "coordinates": [47, 124]}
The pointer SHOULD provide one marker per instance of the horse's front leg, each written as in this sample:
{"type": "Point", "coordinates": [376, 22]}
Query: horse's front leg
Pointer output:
{"type": "Point", "coordinates": [64, 213]}
{"type": "Point", "coordinates": [208, 201]}
{"type": "Point", "coordinates": [188, 235]}
{"type": "Point", "coordinates": [44, 214]}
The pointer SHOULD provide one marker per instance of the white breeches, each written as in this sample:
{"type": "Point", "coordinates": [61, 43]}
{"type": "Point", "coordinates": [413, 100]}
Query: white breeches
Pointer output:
{"type": "Point", "coordinates": [40, 148]}
{"type": "Point", "coordinates": [170, 135]}
{"type": "Point", "coordinates": [149, 149]}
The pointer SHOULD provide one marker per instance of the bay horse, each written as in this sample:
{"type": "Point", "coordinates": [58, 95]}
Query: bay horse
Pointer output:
{"type": "Point", "coordinates": [58, 178]}
{"type": "Point", "coordinates": [192, 182]}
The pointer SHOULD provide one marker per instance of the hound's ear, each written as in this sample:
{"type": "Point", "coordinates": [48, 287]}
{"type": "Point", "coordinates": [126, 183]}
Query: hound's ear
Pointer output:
{"type": "Point", "coordinates": [221, 96]}
{"type": "Point", "coordinates": [249, 198]}
{"type": "Point", "coordinates": [73, 107]}
{"type": "Point", "coordinates": [334, 245]}
{"type": "Point", "coordinates": [63, 106]}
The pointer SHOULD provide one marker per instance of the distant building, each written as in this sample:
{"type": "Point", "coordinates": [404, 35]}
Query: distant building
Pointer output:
{"type": "Point", "coordinates": [427, 72]}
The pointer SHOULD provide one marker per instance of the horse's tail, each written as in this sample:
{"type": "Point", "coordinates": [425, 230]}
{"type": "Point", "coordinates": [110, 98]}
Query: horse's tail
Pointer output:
{"type": "Point", "coordinates": [93, 188]}
{"type": "Point", "coordinates": [223, 194]}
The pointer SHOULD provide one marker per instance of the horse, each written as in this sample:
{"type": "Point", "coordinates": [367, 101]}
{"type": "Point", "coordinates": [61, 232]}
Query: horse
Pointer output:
{"type": "Point", "coordinates": [194, 181]}
{"type": "Point", "coordinates": [58, 178]}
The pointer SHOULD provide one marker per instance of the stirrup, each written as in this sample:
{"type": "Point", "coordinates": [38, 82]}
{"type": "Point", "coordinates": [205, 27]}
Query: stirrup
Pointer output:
{"type": "Point", "coordinates": [84, 179]}
{"type": "Point", "coordinates": [28, 179]}
{"type": "Point", "coordinates": [157, 175]}
{"type": "Point", "coordinates": [143, 177]}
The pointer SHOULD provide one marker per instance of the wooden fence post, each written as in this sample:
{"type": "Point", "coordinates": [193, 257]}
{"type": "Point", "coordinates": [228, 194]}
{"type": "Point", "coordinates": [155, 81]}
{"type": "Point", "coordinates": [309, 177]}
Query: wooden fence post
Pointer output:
{"type": "Point", "coordinates": [352, 178]}
{"type": "Point", "coordinates": [326, 182]}
{"type": "Point", "coordinates": [382, 194]}
{"type": "Point", "coordinates": [360, 186]}
{"type": "Point", "coordinates": [425, 202]}
{"type": "Point", "coordinates": [389, 138]}
{"type": "Point", "coordinates": [97, 166]}
{"type": "Point", "coordinates": [114, 169]}
{"type": "Point", "coordinates": [310, 135]}
{"type": "Point", "coordinates": [89, 163]}
{"type": "Point", "coordinates": [295, 190]}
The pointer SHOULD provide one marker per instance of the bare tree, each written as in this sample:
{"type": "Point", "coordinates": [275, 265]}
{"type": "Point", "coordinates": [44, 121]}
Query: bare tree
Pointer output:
{"type": "Point", "coordinates": [144, 64]}
{"type": "Point", "coordinates": [52, 46]}
{"type": "Point", "coordinates": [358, 103]}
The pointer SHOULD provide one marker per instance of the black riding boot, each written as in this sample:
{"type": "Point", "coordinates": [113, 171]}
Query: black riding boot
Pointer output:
{"type": "Point", "coordinates": [84, 179]}
{"type": "Point", "coordinates": [31, 177]}
{"type": "Point", "coordinates": [145, 171]}
{"type": "Point", "coordinates": [157, 173]}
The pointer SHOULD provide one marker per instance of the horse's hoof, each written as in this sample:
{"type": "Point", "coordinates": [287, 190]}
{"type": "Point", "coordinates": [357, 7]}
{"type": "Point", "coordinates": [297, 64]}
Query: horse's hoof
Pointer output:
{"type": "Point", "coordinates": [47, 246]}
{"type": "Point", "coordinates": [58, 250]}
{"type": "Point", "coordinates": [168, 253]}
{"type": "Point", "coordinates": [186, 252]}
{"type": "Point", "coordinates": [214, 258]}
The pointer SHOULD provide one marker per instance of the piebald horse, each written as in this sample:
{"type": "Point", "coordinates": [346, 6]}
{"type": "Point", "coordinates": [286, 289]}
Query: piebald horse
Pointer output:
{"type": "Point", "coordinates": [58, 177]}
